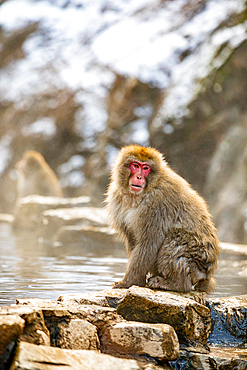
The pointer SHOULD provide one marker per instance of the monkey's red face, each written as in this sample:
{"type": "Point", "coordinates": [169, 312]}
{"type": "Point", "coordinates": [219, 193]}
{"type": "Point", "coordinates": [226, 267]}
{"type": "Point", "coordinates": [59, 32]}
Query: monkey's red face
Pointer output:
{"type": "Point", "coordinates": [139, 172]}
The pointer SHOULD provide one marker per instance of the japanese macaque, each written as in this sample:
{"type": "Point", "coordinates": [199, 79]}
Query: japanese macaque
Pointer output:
{"type": "Point", "coordinates": [36, 177]}
{"type": "Point", "coordinates": [164, 223]}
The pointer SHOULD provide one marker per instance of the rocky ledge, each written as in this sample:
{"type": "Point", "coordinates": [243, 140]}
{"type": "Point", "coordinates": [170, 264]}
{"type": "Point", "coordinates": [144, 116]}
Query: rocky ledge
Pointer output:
{"type": "Point", "coordinates": [135, 328]}
{"type": "Point", "coordinates": [62, 221]}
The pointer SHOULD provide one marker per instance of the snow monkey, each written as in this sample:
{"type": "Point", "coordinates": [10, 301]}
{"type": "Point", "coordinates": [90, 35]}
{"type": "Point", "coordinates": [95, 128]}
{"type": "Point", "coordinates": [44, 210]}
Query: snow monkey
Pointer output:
{"type": "Point", "coordinates": [164, 223]}
{"type": "Point", "coordinates": [36, 177]}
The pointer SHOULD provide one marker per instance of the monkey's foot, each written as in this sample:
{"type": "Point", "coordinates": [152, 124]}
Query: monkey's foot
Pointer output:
{"type": "Point", "coordinates": [158, 282]}
{"type": "Point", "coordinates": [207, 285]}
{"type": "Point", "coordinates": [119, 284]}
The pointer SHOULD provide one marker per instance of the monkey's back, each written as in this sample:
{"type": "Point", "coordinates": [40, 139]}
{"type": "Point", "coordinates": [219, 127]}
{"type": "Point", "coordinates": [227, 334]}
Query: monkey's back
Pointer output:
{"type": "Point", "coordinates": [36, 177]}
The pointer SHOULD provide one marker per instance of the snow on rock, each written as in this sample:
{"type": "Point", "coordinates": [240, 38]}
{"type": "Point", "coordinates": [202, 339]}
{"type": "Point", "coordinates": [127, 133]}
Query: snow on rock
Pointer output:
{"type": "Point", "coordinates": [145, 39]}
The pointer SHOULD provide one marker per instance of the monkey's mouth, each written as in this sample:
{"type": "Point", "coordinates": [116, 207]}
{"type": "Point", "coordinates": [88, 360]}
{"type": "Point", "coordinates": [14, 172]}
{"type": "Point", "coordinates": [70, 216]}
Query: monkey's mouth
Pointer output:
{"type": "Point", "coordinates": [136, 188]}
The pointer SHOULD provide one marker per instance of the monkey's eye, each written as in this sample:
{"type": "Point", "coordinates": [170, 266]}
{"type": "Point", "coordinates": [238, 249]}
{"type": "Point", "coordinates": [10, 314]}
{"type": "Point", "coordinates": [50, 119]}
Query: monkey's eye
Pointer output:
{"type": "Point", "coordinates": [134, 165]}
{"type": "Point", "coordinates": [144, 167]}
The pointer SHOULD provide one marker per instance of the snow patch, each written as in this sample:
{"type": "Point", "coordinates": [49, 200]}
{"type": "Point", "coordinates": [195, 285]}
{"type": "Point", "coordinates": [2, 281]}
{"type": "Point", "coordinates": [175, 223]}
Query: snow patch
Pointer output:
{"type": "Point", "coordinates": [5, 151]}
{"type": "Point", "coordinates": [44, 126]}
{"type": "Point", "coordinates": [83, 42]}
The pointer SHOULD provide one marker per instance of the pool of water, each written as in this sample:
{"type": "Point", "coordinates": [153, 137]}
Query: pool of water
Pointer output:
{"type": "Point", "coordinates": [32, 269]}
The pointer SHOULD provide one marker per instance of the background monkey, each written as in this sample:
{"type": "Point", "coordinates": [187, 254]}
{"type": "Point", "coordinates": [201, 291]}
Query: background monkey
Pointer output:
{"type": "Point", "coordinates": [165, 224]}
{"type": "Point", "coordinates": [36, 177]}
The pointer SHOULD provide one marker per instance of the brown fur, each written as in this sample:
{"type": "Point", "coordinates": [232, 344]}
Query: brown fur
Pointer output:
{"type": "Point", "coordinates": [167, 228]}
{"type": "Point", "coordinates": [36, 177]}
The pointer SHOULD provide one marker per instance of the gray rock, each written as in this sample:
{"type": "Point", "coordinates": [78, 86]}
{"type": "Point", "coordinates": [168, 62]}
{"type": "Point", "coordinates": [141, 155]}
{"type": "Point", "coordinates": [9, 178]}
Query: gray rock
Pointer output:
{"type": "Point", "coordinates": [112, 297]}
{"type": "Point", "coordinates": [29, 210]}
{"type": "Point", "coordinates": [234, 248]}
{"type": "Point", "coordinates": [78, 334]}
{"type": "Point", "coordinates": [106, 298]}
{"type": "Point", "coordinates": [135, 338]}
{"type": "Point", "coordinates": [90, 321]}
{"type": "Point", "coordinates": [59, 315]}
{"type": "Point", "coordinates": [228, 321]}
{"type": "Point", "coordinates": [93, 236]}
{"type": "Point", "coordinates": [11, 327]}
{"type": "Point", "coordinates": [33, 357]}
{"type": "Point", "coordinates": [53, 220]}
{"type": "Point", "coordinates": [218, 358]}
{"type": "Point", "coordinates": [35, 330]}
{"type": "Point", "coordinates": [191, 320]}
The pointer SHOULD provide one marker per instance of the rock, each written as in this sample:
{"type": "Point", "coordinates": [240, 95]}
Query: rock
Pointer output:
{"type": "Point", "coordinates": [151, 366]}
{"type": "Point", "coordinates": [77, 334]}
{"type": "Point", "coordinates": [29, 210]}
{"type": "Point", "coordinates": [11, 327]}
{"type": "Point", "coordinates": [112, 297]}
{"type": "Point", "coordinates": [86, 298]}
{"type": "Point", "coordinates": [156, 319]}
{"type": "Point", "coordinates": [72, 324]}
{"type": "Point", "coordinates": [234, 248]}
{"type": "Point", "coordinates": [96, 315]}
{"type": "Point", "coordinates": [33, 357]}
{"type": "Point", "coordinates": [37, 303]}
{"type": "Point", "coordinates": [191, 320]}
{"type": "Point", "coordinates": [53, 220]}
{"type": "Point", "coordinates": [106, 298]}
{"type": "Point", "coordinates": [57, 313]}
{"type": "Point", "coordinates": [218, 358]}
{"type": "Point", "coordinates": [135, 338]}
{"type": "Point", "coordinates": [35, 330]}
{"type": "Point", "coordinates": [96, 237]}
{"type": "Point", "coordinates": [228, 321]}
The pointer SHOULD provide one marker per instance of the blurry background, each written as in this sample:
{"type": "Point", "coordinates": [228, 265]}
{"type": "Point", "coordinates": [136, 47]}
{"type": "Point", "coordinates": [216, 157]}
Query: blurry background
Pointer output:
{"type": "Point", "coordinates": [81, 78]}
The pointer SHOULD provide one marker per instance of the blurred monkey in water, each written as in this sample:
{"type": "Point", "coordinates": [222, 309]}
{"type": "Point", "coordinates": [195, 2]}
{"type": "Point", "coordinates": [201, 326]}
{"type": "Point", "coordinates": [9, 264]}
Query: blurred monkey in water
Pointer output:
{"type": "Point", "coordinates": [165, 224]}
{"type": "Point", "coordinates": [36, 177]}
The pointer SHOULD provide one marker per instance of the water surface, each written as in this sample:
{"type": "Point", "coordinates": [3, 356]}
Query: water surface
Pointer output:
{"type": "Point", "coordinates": [29, 269]}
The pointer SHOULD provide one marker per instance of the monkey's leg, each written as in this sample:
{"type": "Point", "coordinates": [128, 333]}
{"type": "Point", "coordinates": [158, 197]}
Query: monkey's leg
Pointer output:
{"type": "Point", "coordinates": [175, 268]}
{"type": "Point", "coordinates": [141, 261]}
{"type": "Point", "coordinates": [135, 273]}
{"type": "Point", "coordinates": [183, 263]}
{"type": "Point", "coordinates": [183, 284]}
{"type": "Point", "coordinates": [184, 281]}
{"type": "Point", "coordinates": [158, 282]}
